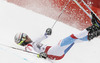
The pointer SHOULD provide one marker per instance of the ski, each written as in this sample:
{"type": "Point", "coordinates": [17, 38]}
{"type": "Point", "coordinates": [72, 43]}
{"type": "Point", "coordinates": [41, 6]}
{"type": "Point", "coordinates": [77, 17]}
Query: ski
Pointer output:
{"type": "Point", "coordinates": [83, 9]}
{"type": "Point", "coordinates": [92, 13]}
{"type": "Point", "coordinates": [19, 49]}
{"type": "Point", "coordinates": [48, 59]}
{"type": "Point", "coordinates": [90, 9]}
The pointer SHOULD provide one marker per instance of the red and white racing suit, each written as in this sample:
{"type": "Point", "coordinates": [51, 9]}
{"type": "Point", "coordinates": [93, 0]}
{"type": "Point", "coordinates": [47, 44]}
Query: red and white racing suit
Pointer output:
{"type": "Point", "coordinates": [58, 51]}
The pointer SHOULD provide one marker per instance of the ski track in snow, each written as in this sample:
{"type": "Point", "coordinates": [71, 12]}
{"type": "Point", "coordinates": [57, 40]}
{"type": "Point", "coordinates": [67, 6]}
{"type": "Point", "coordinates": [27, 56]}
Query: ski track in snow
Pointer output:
{"type": "Point", "coordinates": [15, 19]}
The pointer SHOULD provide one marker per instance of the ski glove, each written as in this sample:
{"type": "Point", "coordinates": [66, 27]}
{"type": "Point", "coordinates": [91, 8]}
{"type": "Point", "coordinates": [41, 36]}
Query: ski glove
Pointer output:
{"type": "Point", "coordinates": [42, 55]}
{"type": "Point", "coordinates": [48, 31]}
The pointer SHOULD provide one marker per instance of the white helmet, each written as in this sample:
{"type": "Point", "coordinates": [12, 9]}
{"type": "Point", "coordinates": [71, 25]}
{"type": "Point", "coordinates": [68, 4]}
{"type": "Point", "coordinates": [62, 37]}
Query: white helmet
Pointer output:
{"type": "Point", "coordinates": [20, 38]}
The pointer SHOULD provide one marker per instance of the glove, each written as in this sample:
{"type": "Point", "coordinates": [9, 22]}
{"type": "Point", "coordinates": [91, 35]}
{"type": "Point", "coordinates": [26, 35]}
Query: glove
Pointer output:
{"type": "Point", "coordinates": [48, 31]}
{"type": "Point", "coordinates": [42, 55]}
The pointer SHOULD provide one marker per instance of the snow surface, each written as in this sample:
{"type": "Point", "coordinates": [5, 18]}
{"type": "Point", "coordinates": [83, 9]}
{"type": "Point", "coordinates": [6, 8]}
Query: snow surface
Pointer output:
{"type": "Point", "coordinates": [15, 19]}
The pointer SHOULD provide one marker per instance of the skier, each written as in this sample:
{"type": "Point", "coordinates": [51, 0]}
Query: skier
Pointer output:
{"type": "Point", "coordinates": [58, 51]}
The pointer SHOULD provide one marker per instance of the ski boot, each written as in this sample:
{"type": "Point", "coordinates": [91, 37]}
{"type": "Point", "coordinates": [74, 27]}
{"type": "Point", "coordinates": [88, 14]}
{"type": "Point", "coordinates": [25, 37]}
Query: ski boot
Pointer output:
{"type": "Point", "coordinates": [94, 30]}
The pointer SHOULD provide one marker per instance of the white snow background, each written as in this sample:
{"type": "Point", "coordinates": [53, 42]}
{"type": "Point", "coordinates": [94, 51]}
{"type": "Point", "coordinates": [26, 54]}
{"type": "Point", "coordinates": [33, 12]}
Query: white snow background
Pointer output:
{"type": "Point", "coordinates": [14, 19]}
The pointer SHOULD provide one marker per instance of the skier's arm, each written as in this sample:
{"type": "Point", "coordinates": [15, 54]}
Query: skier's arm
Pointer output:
{"type": "Point", "coordinates": [47, 33]}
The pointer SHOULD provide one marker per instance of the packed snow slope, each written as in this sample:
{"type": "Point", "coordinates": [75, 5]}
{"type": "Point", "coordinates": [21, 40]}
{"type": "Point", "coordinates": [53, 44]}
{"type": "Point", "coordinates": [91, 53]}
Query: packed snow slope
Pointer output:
{"type": "Point", "coordinates": [15, 19]}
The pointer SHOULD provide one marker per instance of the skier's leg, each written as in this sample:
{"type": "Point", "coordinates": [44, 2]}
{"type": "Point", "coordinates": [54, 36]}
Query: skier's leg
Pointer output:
{"type": "Point", "coordinates": [92, 31]}
{"type": "Point", "coordinates": [82, 36]}
{"type": "Point", "coordinates": [58, 51]}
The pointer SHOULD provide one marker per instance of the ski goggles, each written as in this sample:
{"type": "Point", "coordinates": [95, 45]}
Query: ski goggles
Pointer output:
{"type": "Point", "coordinates": [22, 39]}
{"type": "Point", "coordinates": [20, 43]}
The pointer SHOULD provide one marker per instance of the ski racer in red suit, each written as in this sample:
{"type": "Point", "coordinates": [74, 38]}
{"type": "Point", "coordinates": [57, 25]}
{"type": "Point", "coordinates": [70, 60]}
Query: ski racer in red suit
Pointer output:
{"type": "Point", "coordinates": [58, 51]}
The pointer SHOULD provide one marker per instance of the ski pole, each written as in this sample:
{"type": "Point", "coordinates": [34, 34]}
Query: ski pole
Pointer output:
{"type": "Point", "coordinates": [60, 14]}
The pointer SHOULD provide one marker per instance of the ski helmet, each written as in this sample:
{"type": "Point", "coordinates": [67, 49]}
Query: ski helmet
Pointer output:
{"type": "Point", "coordinates": [20, 38]}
